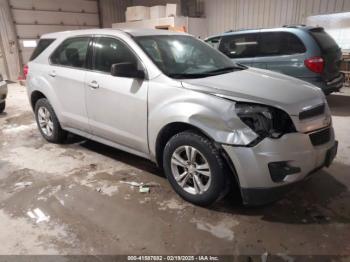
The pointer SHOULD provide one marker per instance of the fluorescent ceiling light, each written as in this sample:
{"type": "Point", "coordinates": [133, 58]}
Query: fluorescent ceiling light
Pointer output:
{"type": "Point", "coordinates": [29, 43]}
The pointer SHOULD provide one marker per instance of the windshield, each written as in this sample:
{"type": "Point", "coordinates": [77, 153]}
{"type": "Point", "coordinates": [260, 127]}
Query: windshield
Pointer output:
{"type": "Point", "coordinates": [180, 56]}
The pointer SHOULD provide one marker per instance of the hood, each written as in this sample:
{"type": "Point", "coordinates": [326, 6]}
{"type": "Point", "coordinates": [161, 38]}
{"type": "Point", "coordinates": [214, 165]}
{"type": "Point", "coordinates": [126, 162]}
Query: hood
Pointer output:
{"type": "Point", "coordinates": [260, 86]}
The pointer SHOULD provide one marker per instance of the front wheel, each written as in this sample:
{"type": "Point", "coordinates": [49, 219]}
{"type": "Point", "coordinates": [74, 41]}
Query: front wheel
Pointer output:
{"type": "Point", "coordinates": [194, 168]}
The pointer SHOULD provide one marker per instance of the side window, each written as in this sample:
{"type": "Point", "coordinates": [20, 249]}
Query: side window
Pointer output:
{"type": "Point", "coordinates": [72, 52]}
{"type": "Point", "coordinates": [279, 43]}
{"type": "Point", "coordinates": [294, 45]}
{"type": "Point", "coordinates": [239, 46]}
{"type": "Point", "coordinates": [109, 51]}
{"type": "Point", "coordinates": [214, 42]}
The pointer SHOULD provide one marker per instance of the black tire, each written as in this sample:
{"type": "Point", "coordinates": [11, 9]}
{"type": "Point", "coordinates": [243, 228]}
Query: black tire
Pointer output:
{"type": "Point", "coordinates": [218, 184]}
{"type": "Point", "coordinates": [58, 135]}
{"type": "Point", "coordinates": [2, 106]}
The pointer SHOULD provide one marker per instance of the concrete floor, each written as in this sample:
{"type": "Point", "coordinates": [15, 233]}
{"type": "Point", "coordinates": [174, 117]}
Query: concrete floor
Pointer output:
{"type": "Point", "coordinates": [75, 199]}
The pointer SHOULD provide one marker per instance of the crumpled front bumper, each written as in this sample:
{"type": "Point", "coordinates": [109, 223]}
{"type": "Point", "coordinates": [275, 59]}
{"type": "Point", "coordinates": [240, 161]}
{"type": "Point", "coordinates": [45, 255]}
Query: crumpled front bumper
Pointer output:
{"type": "Point", "coordinates": [252, 164]}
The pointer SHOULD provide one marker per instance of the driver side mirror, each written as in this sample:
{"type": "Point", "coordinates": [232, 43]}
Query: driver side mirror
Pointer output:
{"type": "Point", "coordinates": [127, 69]}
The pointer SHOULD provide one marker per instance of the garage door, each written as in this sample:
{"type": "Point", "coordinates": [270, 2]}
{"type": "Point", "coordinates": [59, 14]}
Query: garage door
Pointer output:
{"type": "Point", "coordinates": [34, 18]}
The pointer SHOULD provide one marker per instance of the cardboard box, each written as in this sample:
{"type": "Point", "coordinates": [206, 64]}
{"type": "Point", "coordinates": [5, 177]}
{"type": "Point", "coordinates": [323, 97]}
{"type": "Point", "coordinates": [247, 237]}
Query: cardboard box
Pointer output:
{"type": "Point", "coordinates": [172, 10]}
{"type": "Point", "coordinates": [157, 11]}
{"type": "Point", "coordinates": [137, 13]}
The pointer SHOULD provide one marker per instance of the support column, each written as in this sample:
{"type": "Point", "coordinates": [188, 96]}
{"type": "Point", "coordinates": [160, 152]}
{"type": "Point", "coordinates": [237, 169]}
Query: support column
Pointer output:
{"type": "Point", "coordinates": [9, 43]}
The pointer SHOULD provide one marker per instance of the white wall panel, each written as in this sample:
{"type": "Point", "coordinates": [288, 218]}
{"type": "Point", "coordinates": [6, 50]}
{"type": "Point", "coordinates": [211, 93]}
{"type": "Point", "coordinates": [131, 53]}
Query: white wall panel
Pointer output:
{"type": "Point", "coordinates": [223, 15]}
{"type": "Point", "coordinates": [54, 18]}
{"type": "Point", "coordinates": [8, 42]}
{"type": "Point", "coordinates": [58, 5]}
{"type": "Point", "coordinates": [35, 31]}
{"type": "Point", "coordinates": [33, 18]}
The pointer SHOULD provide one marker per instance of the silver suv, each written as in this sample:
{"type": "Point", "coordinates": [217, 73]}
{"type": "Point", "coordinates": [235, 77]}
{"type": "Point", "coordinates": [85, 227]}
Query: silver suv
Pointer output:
{"type": "Point", "coordinates": [171, 98]}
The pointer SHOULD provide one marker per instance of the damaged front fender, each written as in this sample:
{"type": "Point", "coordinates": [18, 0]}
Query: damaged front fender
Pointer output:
{"type": "Point", "coordinates": [213, 115]}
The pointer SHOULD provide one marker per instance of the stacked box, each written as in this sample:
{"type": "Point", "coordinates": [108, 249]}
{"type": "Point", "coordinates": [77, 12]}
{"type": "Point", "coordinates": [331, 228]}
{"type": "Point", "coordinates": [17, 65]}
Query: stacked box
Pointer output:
{"type": "Point", "coordinates": [157, 11]}
{"type": "Point", "coordinates": [172, 10]}
{"type": "Point", "coordinates": [137, 13]}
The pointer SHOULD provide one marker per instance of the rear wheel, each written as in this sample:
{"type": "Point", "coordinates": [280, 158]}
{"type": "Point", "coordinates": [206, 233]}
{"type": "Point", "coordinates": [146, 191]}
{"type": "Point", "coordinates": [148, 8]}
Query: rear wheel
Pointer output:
{"type": "Point", "coordinates": [48, 123]}
{"type": "Point", "coordinates": [2, 106]}
{"type": "Point", "coordinates": [194, 168]}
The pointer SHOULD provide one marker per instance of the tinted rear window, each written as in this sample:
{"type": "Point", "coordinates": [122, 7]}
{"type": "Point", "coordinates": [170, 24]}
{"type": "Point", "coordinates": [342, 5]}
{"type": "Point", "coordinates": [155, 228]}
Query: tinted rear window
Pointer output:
{"type": "Point", "coordinates": [324, 40]}
{"type": "Point", "coordinates": [42, 45]}
{"type": "Point", "coordinates": [262, 44]}
{"type": "Point", "coordinates": [279, 43]}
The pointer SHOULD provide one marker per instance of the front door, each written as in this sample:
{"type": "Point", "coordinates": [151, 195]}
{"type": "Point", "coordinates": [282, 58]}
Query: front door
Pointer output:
{"type": "Point", "coordinates": [117, 106]}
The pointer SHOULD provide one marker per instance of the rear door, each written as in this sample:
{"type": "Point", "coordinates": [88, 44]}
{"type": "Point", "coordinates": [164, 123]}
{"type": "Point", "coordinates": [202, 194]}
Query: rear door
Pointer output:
{"type": "Point", "coordinates": [330, 52]}
{"type": "Point", "coordinates": [66, 74]}
{"type": "Point", "coordinates": [282, 52]}
{"type": "Point", "coordinates": [241, 48]}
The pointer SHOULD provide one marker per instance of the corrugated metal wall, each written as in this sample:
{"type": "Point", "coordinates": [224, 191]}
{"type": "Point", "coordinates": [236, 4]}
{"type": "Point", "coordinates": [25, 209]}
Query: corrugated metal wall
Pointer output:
{"type": "Point", "coordinates": [113, 11]}
{"type": "Point", "coordinates": [223, 15]}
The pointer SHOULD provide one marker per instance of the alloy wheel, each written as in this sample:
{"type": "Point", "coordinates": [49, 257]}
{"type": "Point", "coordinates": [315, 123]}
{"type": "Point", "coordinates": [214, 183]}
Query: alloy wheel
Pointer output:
{"type": "Point", "coordinates": [191, 170]}
{"type": "Point", "coordinates": [45, 121]}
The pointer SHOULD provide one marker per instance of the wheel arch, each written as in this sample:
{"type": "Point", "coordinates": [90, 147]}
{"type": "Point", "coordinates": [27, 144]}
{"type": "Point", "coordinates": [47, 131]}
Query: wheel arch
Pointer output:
{"type": "Point", "coordinates": [167, 132]}
{"type": "Point", "coordinates": [35, 96]}
{"type": "Point", "coordinates": [171, 129]}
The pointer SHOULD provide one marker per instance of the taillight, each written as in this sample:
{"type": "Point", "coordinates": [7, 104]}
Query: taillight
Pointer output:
{"type": "Point", "coordinates": [25, 71]}
{"type": "Point", "coordinates": [315, 64]}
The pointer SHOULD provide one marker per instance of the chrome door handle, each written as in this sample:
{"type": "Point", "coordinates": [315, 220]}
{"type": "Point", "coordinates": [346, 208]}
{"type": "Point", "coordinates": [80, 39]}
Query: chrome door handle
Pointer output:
{"type": "Point", "coordinates": [53, 74]}
{"type": "Point", "coordinates": [94, 85]}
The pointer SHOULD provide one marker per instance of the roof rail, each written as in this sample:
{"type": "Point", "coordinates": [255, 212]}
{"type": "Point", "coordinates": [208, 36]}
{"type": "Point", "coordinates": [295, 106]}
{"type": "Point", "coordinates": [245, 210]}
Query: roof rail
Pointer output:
{"type": "Point", "coordinates": [242, 29]}
{"type": "Point", "coordinates": [295, 26]}
{"type": "Point", "coordinates": [285, 26]}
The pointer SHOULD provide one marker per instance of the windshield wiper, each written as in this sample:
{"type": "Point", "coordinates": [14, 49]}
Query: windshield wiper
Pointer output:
{"type": "Point", "coordinates": [226, 69]}
{"type": "Point", "coordinates": [208, 73]}
{"type": "Point", "coordinates": [189, 76]}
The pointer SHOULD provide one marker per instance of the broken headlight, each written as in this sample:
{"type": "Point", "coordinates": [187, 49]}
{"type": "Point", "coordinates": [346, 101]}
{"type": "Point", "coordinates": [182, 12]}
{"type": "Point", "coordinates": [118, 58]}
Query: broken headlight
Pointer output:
{"type": "Point", "coordinates": [265, 121]}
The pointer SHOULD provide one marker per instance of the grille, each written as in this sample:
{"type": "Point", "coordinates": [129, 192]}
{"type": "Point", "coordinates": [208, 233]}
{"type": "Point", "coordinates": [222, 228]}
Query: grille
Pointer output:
{"type": "Point", "coordinates": [321, 137]}
{"type": "Point", "coordinates": [315, 111]}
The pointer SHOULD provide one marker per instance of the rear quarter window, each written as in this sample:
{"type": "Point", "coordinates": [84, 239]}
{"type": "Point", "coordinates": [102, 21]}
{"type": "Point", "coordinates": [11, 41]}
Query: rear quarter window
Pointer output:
{"type": "Point", "coordinates": [324, 40]}
{"type": "Point", "coordinates": [42, 45]}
